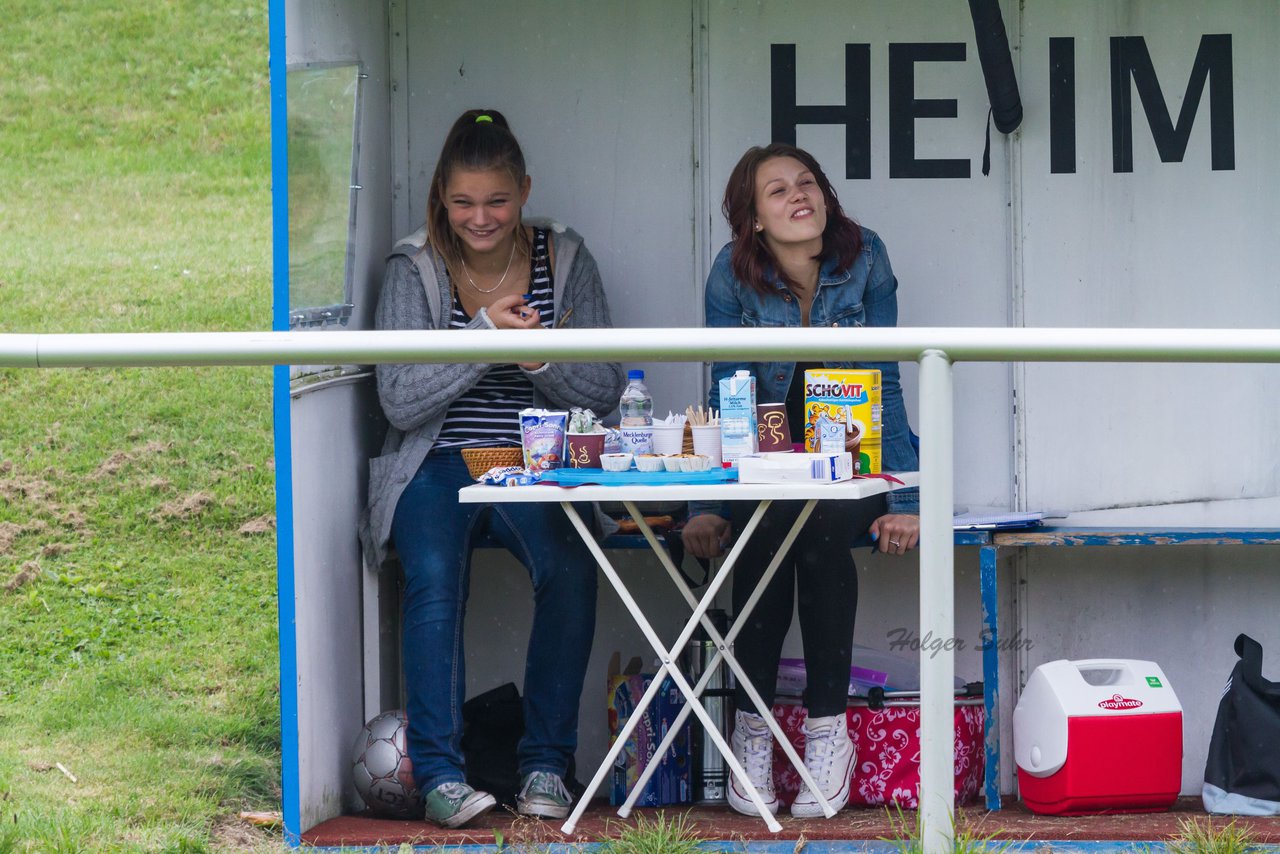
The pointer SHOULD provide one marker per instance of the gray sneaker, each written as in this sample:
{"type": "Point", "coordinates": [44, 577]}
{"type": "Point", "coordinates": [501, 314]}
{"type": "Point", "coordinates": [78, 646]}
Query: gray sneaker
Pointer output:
{"type": "Point", "coordinates": [543, 795]}
{"type": "Point", "coordinates": [454, 804]}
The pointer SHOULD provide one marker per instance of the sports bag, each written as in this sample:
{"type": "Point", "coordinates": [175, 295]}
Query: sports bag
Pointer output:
{"type": "Point", "coordinates": [1242, 773]}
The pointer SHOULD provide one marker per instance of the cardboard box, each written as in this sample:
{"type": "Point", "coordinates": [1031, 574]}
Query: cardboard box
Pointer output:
{"type": "Point", "coordinates": [795, 468]}
{"type": "Point", "coordinates": [672, 783]}
{"type": "Point", "coordinates": [792, 679]}
{"type": "Point", "coordinates": [887, 770]}
{"type": "Point", "coordinates": [870, 459]}
{"type": "Point", "coordinates": [850, 398]}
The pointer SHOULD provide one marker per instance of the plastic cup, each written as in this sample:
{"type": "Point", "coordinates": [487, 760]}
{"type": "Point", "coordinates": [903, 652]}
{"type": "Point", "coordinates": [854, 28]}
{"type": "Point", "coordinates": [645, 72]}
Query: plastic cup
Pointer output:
{"type": "Point", "coordinates": [585, 450]}
{"type": "Point", "coordinates": [668, 439]}
{"type": "Point", "coordinates": [706, 440]}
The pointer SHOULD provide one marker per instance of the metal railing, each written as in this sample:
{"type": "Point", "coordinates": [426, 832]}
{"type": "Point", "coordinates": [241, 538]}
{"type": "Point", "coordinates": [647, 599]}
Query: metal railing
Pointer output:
{"type": "Point", "coordinates": [936, 349]}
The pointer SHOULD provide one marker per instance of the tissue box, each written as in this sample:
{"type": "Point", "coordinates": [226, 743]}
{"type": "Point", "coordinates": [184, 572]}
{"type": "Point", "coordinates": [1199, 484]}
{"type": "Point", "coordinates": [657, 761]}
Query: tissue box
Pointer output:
{"type": "Point", "coordinates": [795, 468]}
{"type": "Point", "coordinates": [671, 784]}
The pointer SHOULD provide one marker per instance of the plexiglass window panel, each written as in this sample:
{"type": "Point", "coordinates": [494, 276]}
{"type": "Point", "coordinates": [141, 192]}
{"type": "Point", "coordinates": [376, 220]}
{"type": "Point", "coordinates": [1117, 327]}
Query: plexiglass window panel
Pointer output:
{"type": "Point", "coordinates": [324, 109]}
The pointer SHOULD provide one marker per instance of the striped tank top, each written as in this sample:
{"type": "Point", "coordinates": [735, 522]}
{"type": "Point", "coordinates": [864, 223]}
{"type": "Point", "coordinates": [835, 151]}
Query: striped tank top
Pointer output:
{"type": "Point", "coordinates": [488, 413]}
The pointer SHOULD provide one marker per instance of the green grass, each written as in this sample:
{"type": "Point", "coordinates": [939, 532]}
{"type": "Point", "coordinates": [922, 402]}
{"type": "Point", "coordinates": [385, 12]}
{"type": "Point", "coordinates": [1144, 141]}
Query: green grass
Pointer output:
{"type": "Point", "coordinates": [140, 623]}
{"type": "Point", "coordinates": [1202, 838]}
{"type": "Point", "coordinates": [908, 836]}
{"type": "Point", "coordinates": [660, 835]}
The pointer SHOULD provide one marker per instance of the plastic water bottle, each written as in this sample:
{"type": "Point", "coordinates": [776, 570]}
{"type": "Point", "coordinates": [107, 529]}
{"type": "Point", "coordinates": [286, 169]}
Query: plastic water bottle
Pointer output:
{"type": "Point", "coordinates": [636, 405]}
{"type": "Point", "coordinates": [636, 408]}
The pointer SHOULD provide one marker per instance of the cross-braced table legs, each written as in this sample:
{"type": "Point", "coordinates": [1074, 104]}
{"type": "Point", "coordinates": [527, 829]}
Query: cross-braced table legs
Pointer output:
{"type": "Point", "coordinates": [667, 666]}
{"type": "Point", "coordinates": [723, 645]}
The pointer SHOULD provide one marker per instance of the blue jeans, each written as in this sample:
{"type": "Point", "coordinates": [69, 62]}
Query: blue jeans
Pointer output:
{"type": "Point", "coordinates": [433, 535]}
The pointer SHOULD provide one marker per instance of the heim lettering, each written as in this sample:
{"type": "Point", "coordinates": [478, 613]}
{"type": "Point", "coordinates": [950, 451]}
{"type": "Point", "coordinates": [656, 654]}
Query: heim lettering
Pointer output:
{"type": "Point", "coordinates": [1131, 68]}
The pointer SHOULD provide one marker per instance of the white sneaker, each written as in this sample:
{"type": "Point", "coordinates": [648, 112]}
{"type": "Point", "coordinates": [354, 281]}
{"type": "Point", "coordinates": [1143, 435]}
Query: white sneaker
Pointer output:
{"type": "Point", "coordinates": [829, 756]}
{"type": "Point", "coordinates": [752, 746]}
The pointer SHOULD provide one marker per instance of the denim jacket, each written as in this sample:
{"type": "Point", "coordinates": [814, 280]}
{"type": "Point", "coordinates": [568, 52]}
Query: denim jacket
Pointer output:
{"type": "Point", "coordinates": [863, 296]}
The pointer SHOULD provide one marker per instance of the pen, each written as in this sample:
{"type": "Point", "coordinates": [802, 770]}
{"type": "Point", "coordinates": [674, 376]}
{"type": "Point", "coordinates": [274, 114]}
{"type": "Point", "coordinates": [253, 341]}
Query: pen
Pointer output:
{"type": "Point", "coordinates": [563, 318]}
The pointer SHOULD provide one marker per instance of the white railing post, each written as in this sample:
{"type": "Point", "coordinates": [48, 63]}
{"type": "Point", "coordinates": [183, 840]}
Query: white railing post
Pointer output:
{"type": "Point", "coordinates": [937, 600]}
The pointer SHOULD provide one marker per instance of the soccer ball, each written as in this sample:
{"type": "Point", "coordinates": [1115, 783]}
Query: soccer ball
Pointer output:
{"type": "Point", "coordinates": [381, 768]}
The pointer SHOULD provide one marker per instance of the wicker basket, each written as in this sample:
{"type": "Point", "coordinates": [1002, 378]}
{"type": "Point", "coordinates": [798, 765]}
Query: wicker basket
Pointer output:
{"type": "Point", "coordinates": [480, 460]}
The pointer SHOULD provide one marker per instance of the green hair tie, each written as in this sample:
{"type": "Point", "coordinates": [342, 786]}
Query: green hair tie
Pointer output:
{"type": "Point", "coordinates": [484, 118]}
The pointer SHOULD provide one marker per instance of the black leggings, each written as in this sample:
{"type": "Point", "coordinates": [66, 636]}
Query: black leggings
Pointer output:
{"type": "Point", "coordinates": [820, 566]}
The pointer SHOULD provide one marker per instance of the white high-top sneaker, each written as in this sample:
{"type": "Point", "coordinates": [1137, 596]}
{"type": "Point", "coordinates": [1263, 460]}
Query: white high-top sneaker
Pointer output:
{"type": "Point", "coordinates": [752, 746]}
{"type": "Point", "coordinates": [829, 756]}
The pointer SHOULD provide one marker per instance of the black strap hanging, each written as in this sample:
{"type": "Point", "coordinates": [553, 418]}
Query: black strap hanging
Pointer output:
{"type": "Point", "coordinates": [986, 149]}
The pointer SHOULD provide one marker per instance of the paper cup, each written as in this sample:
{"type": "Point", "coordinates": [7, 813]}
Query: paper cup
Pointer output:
{"type": "Point", "coordinates": [772, 429]}
{"type": "Point", "coordinates": [706, 441]}
{"type": "Point", "coordinates": [585, 450]}
{"type": "Point", "coordinates": [668, 439]}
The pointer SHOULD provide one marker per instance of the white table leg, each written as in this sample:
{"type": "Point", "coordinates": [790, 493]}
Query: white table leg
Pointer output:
{"type": "Point", "coordinates": [667, 668]}
{"type": "Point", "coordinates": [723, 645]}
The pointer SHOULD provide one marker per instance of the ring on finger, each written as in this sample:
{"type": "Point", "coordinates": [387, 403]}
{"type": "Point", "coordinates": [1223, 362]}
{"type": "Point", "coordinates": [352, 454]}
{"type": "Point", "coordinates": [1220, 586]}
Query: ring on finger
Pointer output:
{"type": "Point", "coordinates": [894, 543]}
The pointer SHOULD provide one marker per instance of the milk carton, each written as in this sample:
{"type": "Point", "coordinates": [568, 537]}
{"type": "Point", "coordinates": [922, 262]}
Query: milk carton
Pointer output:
{"type": "Point", "coordinates": [737, 416]}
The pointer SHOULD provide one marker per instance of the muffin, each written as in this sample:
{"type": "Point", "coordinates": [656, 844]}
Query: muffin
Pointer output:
{"type": "Point", "coordinates": [649, 462]}
{"type": "Point", "coordinates": [615, 462]}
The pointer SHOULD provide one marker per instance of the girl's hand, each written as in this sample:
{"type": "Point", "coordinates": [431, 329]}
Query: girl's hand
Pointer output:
{"type": "Point", "coordinates": [896, 533]}
{"type": "Point", "coordinates": [706, 535]}
{"type": "Point", "coordinates": [512, 312]}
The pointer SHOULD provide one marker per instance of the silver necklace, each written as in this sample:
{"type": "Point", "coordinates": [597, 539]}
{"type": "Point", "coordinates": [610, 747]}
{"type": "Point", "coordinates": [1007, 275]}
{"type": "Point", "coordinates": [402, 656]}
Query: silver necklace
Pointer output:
{"type": "Point", "coordinates": [500, 281]}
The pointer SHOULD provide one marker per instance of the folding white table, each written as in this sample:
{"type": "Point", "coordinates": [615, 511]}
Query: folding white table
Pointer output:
{"type": "Point", "coordinates": [764, 494]}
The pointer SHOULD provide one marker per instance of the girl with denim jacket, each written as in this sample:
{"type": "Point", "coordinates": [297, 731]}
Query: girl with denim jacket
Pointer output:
{"type": "Point", "coordinates": [796, 259]}
{"type": "Point", "coordinates": [482, 267]}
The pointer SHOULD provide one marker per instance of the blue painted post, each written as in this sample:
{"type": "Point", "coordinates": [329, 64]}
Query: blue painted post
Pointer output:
{"type": "Point", "coordinates": [987, 562]}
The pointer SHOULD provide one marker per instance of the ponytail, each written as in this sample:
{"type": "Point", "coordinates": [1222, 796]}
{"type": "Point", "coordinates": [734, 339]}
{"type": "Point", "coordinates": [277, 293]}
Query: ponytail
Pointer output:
{"type": "Point", "coordinates": [479, 140]}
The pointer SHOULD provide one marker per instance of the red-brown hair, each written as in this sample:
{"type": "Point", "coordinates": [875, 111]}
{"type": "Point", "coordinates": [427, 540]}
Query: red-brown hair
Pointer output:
{"type": "Point", "coordinates": [752, 261]}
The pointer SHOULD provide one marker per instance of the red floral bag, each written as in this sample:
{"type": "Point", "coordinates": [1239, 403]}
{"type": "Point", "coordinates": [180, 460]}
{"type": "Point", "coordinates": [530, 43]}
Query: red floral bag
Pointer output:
{"type": "Point", "coordinates": [887, 770]}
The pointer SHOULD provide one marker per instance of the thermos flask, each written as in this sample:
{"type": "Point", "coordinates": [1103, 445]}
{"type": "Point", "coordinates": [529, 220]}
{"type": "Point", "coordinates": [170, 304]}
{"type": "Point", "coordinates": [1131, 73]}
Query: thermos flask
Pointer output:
{"type": "Point", "coordinates": [710, 772]}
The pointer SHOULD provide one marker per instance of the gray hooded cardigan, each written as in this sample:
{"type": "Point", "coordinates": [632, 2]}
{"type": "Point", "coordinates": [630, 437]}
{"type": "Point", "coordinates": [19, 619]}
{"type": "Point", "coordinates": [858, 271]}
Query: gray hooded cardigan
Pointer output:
{"type": "Point", "coordinates": [416, 294]}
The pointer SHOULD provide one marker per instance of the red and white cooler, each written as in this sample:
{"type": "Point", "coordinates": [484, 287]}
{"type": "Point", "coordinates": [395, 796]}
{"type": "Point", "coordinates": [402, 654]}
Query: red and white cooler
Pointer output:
{"type": "Point", "coordinates": [1101, 735]}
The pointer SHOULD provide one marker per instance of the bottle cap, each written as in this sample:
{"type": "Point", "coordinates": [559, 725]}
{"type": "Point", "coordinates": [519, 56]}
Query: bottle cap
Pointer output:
{"type": "Point", "coordinates": [634, 374]}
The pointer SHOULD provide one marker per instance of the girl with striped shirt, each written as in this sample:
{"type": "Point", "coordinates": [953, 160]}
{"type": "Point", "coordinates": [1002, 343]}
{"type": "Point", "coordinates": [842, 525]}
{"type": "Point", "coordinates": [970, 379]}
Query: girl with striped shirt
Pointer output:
{"type": "Point", "coordinates": [481, 266]}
